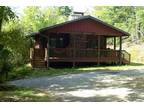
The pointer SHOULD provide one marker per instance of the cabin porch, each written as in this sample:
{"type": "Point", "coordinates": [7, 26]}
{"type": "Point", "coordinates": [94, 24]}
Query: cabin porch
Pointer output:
{"type": "Point", "coordinates": [90, 55]}
{"type": "Point", "coordinates": [78, 50]}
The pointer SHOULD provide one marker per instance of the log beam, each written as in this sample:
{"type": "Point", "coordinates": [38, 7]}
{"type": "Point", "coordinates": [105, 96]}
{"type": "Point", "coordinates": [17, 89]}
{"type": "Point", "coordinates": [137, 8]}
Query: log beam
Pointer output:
{"type": "Point", "coordinates": [74, 49]}
{"type": "Point", "coordinates": [99, 49]}
{"type": "Point", "coordinates": [114, 43]}
{"type": "Point", "coordinates": [47, 62]}
{"type": "Point", "coordinates": [120, 50]}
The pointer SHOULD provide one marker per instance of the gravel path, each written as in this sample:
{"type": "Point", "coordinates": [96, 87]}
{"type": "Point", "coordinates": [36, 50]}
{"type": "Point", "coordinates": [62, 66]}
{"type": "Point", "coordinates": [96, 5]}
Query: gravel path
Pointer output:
{"type": "Point", "coordinates": [92, 86]}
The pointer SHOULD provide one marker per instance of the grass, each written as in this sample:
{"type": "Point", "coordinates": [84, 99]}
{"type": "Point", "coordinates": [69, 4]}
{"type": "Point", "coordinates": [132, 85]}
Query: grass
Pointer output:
{"type": "Point", "coordinates": [27, 72]}
{"type": "Point", "coordinates": [14, 94]}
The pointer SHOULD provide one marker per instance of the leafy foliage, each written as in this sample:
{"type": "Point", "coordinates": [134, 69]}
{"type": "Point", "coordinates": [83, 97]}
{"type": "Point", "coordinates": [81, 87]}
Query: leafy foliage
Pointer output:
{"type": "Point", "coordinates": [4, 63]}
{"type": "Point", "coordinates": [6, 14]}
{"type": "Point", "coordinates": [128, 18]}
{"type": "Point", "coordinates": [35, 18]}
{"type": "Point", "coordinates": [65, 10]}
{"type": "Point", "coordinates": [13, 39]}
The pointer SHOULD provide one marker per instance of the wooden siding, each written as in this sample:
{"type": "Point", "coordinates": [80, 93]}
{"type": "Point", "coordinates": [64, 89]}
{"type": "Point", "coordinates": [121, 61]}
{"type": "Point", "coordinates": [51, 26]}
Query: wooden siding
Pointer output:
{"type": "Point", "coordinates": [86, 26]}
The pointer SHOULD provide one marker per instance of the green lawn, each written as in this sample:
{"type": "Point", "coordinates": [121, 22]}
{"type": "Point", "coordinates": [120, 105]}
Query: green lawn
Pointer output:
{"type": "Point", "coordinates": [27, 72]}
{"type": "Point", "coordinates": [11, 94]}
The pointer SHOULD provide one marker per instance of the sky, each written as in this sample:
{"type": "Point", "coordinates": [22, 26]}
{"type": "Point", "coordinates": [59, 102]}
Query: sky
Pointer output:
{"type": "Point", "coordinates": [81, 8]}
{"type": "Point", "coordinates": [77, 8]}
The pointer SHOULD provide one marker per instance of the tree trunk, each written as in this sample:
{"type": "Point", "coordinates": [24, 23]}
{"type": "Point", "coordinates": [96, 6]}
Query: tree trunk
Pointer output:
{"type": "Point", "coordinates": [1, 18]}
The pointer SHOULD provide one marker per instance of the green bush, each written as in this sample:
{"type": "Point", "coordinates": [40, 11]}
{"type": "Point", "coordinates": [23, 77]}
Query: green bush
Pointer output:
{"type": "Point", "coordinates": [5, 65]}
{"type": "Point", "coordinates": [20, 72]}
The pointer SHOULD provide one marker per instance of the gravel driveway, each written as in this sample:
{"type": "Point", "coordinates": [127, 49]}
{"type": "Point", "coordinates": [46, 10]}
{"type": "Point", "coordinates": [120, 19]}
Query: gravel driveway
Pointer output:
{"type": "Point", "coordinates": [92, 86]}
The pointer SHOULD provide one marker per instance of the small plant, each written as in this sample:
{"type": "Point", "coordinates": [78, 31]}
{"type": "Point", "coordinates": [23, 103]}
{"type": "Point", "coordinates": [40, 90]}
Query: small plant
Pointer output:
{"type": "Point", "coordinates": [20, 72]}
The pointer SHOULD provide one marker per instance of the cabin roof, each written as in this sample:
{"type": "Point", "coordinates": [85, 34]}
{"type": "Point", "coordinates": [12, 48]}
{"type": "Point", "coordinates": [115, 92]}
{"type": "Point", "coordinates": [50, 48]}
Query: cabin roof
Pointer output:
{"type": "Point", "coordinates": [83, 18]}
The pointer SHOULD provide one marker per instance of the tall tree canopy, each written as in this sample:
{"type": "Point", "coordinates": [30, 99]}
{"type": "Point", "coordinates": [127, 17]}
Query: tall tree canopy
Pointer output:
{"type": "Point", "coordinates": [128, 18]}
{"type": "Point", "coordinates": [6, 14]}
{"type": "Point", "coordinates": [65, 10]}
{"type": "Point", "coordinates": [35, 18]}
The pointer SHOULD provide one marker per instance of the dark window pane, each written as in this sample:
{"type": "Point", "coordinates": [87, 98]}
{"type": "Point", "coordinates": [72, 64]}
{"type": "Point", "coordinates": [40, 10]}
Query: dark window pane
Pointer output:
{"type": "Point", "coordinates": [60, 40]}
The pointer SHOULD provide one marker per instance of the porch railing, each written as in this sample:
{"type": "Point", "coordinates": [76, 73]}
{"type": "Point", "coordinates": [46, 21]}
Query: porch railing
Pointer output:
{"type": "Point", "coordinates": [126, 56]}
{"type": "Point", "coordinates": [61, 52]}
{"type": "Point", "coordinates": [102, 55]}
{"type": "Point", "coordinates": [69, 52]}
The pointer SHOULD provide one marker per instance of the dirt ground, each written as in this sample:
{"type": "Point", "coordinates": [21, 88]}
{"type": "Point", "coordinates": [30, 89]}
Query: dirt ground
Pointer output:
{"type": "Point", "coordinates": [92, 87]}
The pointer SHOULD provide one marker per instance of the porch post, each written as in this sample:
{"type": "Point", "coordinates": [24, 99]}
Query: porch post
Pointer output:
{"type": "Point", "coordinates": [74, 48]}
{"type": "Point", "coordinates": [31, 56]}
{"type": "Point", "coordinates": [99, 49]}
{"type": "Point", "coordinates": [114, 43]}
{"type": "Point", "coordinates": [47, 52]}
{"type": "Point", "coordinates": [120, 49]}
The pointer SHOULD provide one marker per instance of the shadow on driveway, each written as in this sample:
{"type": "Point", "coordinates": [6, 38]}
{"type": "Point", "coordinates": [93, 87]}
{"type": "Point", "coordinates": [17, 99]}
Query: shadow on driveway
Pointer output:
{"type": "Point", "coordinates": [93, 86]}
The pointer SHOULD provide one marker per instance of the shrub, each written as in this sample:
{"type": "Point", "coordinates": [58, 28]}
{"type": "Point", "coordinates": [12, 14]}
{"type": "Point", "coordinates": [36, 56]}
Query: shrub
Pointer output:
{"type": "Point", "coordinates": [5, 65]}
{"type": "Point", "coordinates": [20, 72]}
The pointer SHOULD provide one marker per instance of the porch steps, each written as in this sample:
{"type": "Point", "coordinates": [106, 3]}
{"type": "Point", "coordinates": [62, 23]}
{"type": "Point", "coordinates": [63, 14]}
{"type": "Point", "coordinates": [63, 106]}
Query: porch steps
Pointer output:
{"type": "Point", "coordinates": [38, 58]}
{"type": "Point", "coordinates": [39, 63]}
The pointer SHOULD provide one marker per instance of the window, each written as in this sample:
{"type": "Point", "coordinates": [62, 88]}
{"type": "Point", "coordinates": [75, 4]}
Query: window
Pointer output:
{"type": "Point", "coordinates": [53, 42]}
{"type": "Point", "coordinates": [59, 40]}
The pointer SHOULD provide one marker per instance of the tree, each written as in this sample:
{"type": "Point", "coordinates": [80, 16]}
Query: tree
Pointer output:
{"type": "Point", "coordinates": [4, 63]}
{"type": "Point", "coordinates": [6, 15]}
{"type": "Point", "coordinates": [65, 10]}
{"type": "Point", "coordinates": [35, 18]}
{"type": "Point", "coordinates": [15, 40]}
{"type": "Point", "coordinates": [128, 18]}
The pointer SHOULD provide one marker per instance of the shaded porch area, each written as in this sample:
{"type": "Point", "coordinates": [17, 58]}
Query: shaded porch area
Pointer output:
{"type": "Point", "coordinates": [90, 55]}
{"type": "Point", "coordinates": [77, 48]}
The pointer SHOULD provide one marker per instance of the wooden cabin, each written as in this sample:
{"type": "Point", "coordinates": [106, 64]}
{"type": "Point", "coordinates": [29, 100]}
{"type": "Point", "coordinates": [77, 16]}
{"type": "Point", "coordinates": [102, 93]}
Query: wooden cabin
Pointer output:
{"type": "Point", "coordinates": [82, 40]}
